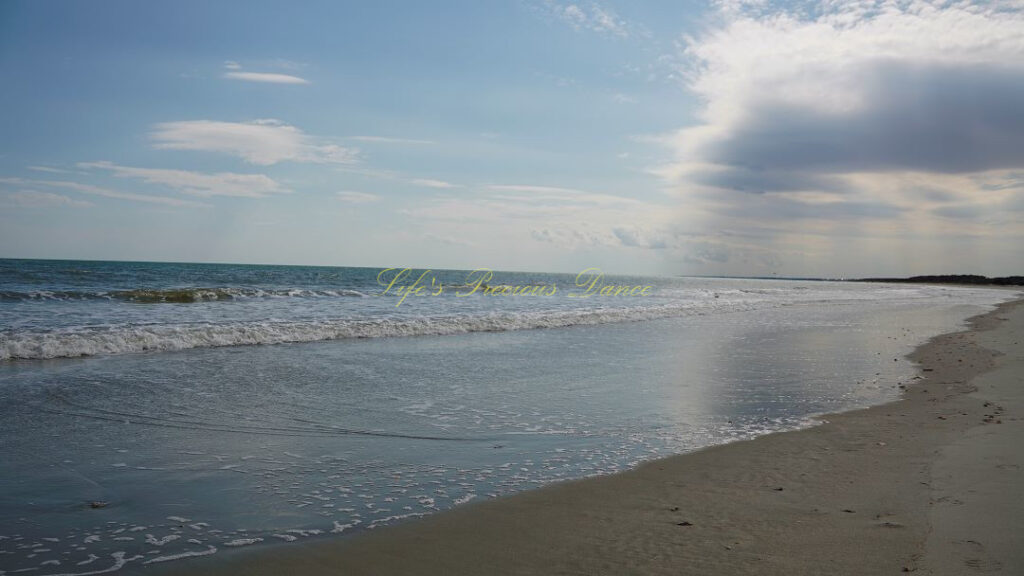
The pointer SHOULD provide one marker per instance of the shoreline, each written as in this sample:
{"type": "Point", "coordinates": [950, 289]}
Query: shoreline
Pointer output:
{"type": "Point", "coordinates": [890, 488]}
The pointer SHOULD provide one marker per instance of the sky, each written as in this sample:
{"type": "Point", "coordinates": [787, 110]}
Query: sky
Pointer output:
{"type": "Point", "coordinates": [669, 137]}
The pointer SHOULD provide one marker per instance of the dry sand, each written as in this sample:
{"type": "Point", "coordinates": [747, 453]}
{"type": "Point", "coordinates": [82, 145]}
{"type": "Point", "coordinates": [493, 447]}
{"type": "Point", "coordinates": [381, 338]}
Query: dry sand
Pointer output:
{"type": "Point", "coordinates": [931, 483]}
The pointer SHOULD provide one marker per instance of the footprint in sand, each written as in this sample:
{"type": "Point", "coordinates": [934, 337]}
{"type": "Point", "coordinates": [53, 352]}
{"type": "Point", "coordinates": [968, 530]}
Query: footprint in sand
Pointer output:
{"type": "Point", "coordinates": [975, 557]}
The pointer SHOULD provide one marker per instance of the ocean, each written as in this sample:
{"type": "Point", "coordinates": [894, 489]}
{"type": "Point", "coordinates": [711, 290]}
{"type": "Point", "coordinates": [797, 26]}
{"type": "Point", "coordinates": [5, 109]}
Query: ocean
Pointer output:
{"type": "Point", "coordinates": [156, 412]}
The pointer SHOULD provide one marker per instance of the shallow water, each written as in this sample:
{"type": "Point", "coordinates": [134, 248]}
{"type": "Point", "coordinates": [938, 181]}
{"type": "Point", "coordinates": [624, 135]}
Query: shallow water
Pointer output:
{"type": "Point", "coordinates": [210, 448]}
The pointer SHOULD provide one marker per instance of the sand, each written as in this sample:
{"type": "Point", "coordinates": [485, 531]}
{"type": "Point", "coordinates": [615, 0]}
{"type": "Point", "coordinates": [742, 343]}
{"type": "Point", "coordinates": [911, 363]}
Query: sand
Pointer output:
{"type": "Point", "coordinates": [931, 483]}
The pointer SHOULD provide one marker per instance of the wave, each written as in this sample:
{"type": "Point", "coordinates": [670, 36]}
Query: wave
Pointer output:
{"type": "Point", "coordinates": [92, 341]}
{"type": "Point", "coordinates": [174, 295]}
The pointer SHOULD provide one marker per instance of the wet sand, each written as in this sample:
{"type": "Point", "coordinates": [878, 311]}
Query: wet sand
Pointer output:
{"type": "Point", "coordinates": [930, 483]}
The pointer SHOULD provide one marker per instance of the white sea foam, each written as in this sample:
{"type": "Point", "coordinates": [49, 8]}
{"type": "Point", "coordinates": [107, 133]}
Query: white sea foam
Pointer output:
{"type": "Point", "coordinates": [339, 527]}
{"type": "Point", "coordinates": [243, 542]}
{"type": "Point", "coordinates": [135, 336]}
{"type": "Point", "coordinates": [305, 533]}
{"type": "Point", "coordinates": [150, 539]}
{"type": "Point", "coordinates": [209, 550]}
{"type": "Point", "coordinates": [119, 562]}
{"type": "Point", "coordinates": [174, 294]}
{"type": "Point", "coordinates": [92, 341]}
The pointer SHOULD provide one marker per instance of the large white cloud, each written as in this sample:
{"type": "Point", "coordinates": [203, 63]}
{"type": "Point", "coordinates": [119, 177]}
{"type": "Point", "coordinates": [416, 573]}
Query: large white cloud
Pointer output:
{"type": "Point", "coordinates": [866, 86]}
{"type": "Point", "coordinates": [854, 118]}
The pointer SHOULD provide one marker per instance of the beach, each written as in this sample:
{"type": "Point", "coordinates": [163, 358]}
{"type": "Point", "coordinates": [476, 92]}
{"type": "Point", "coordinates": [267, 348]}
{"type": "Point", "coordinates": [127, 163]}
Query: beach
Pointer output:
{"type": "Point", "coordinates": [187, 417]}
{"type": "Point", "coordinates": [929, 484]}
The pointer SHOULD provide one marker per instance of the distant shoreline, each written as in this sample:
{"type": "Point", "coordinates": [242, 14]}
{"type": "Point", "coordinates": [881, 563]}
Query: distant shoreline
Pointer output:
{"type": "Point", "coordinates": [971, 279]}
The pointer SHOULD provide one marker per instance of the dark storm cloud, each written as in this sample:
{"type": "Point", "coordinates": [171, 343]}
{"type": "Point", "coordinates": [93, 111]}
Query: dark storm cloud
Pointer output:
{"type": "Point", "coordinates": [760, 179]}
{"type": "Point", "coordinates": [779, 208]}
{"type": "Point", "coordinates": [932, 119]}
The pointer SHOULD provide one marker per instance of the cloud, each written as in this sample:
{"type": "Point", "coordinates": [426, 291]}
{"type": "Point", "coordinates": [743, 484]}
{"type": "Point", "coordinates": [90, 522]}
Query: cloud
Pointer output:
{"type": "Point", "coordinates": [573, 238]}
{"type": "Point", "coordinates": [549, 219]}
{"type": "Point", "coordinates": [48, 169]}
{"type": "Point", "coordinates": [566, 198]}
{"type": "Point", "coordinates": [262, 142]}
{"type": "Point", "coordinates": [354, 197]}
{"type": "Point", "coordinates": [388, 140]}
{"type": "Point", "coordinates": [266, 77]}
{"type": "Point", "coordinates": [639, 238]}
{"type": "Point", "coordinates": [534, 206]}
{"type": "Point", "coordinates": [196, 183]}
{"type": "Point", "coordinates": [104, 192]}
{"type": "Point", "coordinates": [938, 118]}
{"type": "Point", "coordinates": [37, 199]}
{"type": "Point", "coordinates": [533, 188]}
{"type": "Point", "coordinates": [866, 120]}
{"type": "Point", "coordinates": [397, 177]}
{"type": "Point", "coordinates": [590, 17]}
{"type": "Point", "coordinates": [969, 211]}
{"type": "Point", "coordinates": [234, 72]}
{"type": "Point", "coordinates": [913, 86]}
{"type": "Point", "coordinates": [432, 183]}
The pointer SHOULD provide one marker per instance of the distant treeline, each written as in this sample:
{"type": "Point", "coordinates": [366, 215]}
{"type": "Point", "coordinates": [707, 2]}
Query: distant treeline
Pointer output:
{"type": "Point", "coordinates": [952, 279]}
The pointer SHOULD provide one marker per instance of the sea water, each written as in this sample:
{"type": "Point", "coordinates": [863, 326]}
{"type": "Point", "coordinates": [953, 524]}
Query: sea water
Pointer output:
{"type": "Point", "coordinates": [154, 412]}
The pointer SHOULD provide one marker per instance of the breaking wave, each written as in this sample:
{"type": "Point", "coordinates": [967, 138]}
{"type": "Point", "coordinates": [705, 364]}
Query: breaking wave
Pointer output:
{"type": "Point", "coordinates": [174, 295]}
{"type": "Point", "coordinates": [91, 341]}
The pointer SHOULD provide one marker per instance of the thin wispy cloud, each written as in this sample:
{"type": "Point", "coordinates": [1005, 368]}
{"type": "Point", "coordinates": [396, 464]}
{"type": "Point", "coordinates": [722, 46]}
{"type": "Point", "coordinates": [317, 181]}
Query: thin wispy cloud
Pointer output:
{"type": "Point", "coordinates": [196, 183]}
{"type": "Point", "coordinates": [48, 169]}
{"type": "Point", "coordinates": [535, 205]}
{"type": "Point", "coordinates": [389, 140]}
{"type": "Point", "coordinates": [37, 199]}
{"type": "Point", "coordinates": [263, 142]}
{"type": "Point", "coordinates": [432, 183]}
{"type": "Point", "coordinates": [104, 192]}
{"type": "Point", "coordinates": [235, 72]}
{"type": "Point", "coordinates": [533, 188]}
{"type": "Point", "coordinates": [397, 177]}
{"type": "Point", "coordinates": [560, 195]}
{"type": "Point", "coordinates": [587, 16]}
{"type": "Point", "coordinates": [266, 77]}
{"type": "Point", "coordinates": [354, 197]}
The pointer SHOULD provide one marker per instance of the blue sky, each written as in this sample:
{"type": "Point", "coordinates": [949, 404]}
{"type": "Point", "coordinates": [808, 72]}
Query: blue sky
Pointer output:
{"type": "Point", "coordinates": [654, 137]}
